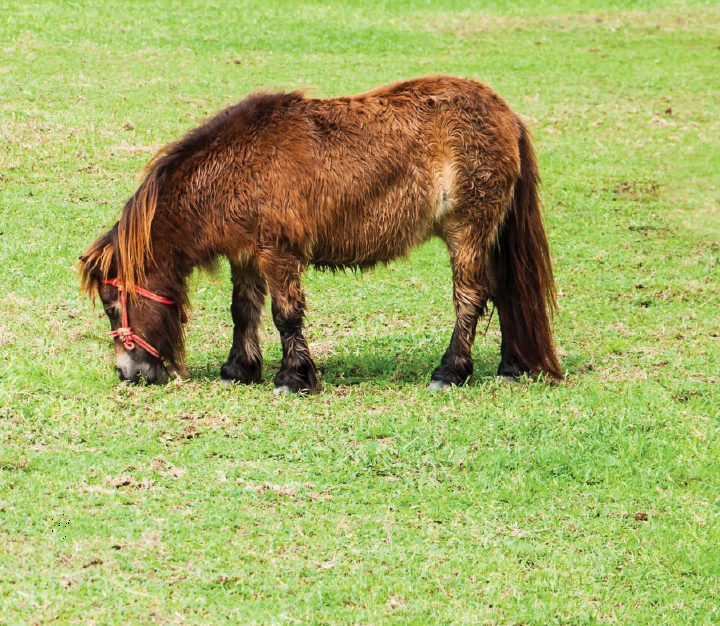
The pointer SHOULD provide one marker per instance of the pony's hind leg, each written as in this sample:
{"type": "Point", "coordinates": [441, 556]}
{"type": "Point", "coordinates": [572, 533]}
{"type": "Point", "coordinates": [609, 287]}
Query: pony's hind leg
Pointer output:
{"type": "Point", "coordinates": [297, 370]}
{"type": "Point", "coordinates": [470, 298]}
{"type": "Point", "coordinates": [244, 365]}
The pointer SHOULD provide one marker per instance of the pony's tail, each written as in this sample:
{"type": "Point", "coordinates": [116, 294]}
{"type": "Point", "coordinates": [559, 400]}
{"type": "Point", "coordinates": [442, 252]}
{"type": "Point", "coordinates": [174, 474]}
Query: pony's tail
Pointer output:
{"type": "Point", "coordinates": [526, 288]}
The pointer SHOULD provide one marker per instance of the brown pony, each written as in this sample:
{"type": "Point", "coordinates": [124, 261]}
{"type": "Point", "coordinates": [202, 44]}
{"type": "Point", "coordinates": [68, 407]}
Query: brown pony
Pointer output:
{"type": "Point", "coordinates": [280, 181]}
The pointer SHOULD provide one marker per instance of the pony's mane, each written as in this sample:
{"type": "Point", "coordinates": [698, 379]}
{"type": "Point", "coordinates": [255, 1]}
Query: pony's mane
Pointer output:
{"type": "Point", "coordinates": [132, 242]}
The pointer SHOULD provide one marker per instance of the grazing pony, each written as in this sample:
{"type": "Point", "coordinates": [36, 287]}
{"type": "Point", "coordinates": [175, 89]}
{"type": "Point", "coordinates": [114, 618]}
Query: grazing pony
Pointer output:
{"type": "Point", "coordinates": [280, 181]}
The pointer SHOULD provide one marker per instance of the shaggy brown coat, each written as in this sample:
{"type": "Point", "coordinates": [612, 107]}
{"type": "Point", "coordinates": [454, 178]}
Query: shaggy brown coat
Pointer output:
{"type": "Point", "coordinates": [280, 181]}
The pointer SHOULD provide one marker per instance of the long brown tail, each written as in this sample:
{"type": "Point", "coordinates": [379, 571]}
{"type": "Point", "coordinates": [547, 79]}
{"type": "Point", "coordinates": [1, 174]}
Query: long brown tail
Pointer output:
{"type": "Point", "coordinates": [525, 278]}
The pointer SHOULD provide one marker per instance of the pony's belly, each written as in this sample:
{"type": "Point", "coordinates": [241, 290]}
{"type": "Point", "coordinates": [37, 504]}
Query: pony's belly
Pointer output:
{"type": "Point", "coordinates": [381, 226]}
{"type": "Point", "coordinates": [360, 253]}
{"type": "Point", "coordinates": [364, 243]}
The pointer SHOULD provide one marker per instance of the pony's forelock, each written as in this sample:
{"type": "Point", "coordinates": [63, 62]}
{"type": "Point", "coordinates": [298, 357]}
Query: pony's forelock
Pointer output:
{"type": "Point", "coordinates": [95, 264]}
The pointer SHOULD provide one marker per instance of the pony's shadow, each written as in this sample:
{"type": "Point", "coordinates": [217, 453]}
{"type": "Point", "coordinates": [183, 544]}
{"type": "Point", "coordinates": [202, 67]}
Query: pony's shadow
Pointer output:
{"type": "Point", "coordinates": [395, 359]}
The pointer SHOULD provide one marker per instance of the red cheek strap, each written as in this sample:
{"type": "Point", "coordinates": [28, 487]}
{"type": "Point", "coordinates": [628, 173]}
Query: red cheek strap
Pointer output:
{"type": "Point", "coordinates": [125, 333]}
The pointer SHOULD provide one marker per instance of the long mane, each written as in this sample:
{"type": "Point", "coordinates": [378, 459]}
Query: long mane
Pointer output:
{"type": "Point", "coordinates": [127, 247]}
{"type": "Point", "coordinates": [131, 243]}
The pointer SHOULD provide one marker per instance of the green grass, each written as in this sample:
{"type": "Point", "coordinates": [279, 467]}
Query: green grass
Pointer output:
{"type": "Point", "coordinates": [595, 501]}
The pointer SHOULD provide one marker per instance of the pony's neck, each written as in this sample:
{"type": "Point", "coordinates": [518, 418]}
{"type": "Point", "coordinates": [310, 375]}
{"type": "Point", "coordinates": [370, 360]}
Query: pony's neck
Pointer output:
{"type": "Point", "coordinates": [178, 245]}
{"type": "Point", "coordinates": [178, 220]}
{"type": "Point", "coordinates": [192, 227]}
{"type": "Point", "coordinates": [170, 265]}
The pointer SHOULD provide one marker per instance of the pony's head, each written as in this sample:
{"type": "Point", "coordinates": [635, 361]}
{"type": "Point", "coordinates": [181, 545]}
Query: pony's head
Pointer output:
{"type": "Point", "coordinates": [139, 268]}
{"type": "Point", "coordinates": [144, 301]}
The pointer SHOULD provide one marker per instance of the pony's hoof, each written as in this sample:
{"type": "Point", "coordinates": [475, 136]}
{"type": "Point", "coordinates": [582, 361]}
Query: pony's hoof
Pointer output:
{"type": "Point", "coordinates": [281, 390]}
{"type": "Point", "coordinates": [228, 381]}
{"type": "Point", "coordinates": [436, 385]}
{"type": "Point", "coordinates": [508, 380]}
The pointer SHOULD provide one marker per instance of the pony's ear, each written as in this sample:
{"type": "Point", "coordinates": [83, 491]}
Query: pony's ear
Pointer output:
{"type": "Point", "coordinates": [97, 262]}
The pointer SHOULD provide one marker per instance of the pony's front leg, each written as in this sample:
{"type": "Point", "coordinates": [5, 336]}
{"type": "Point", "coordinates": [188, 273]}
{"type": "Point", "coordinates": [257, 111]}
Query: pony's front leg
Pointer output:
{"type": "Point", "coordinates": [297, 370]}
{"type": "Point", "coordinates": [244, 365]}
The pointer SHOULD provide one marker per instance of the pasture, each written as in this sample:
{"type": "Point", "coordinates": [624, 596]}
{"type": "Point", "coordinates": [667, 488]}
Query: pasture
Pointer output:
{"type": "Point", "coordinates": [593, 501]}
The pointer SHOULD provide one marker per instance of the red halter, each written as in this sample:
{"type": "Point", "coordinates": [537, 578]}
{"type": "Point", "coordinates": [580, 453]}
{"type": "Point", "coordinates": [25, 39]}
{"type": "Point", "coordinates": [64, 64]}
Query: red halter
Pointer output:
{"type": "Point", "coordinates": [125, 333]}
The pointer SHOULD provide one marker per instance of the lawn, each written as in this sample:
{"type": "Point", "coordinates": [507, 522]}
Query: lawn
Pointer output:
{"type": "Point", "coordinates": [593, 501]}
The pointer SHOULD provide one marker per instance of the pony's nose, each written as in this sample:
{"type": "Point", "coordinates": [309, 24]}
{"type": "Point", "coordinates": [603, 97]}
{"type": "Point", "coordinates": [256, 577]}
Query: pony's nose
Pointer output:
{"type": "Point", "coordinates": [127, 369]}
{"type": "Point", "coordinates": [128, 374]}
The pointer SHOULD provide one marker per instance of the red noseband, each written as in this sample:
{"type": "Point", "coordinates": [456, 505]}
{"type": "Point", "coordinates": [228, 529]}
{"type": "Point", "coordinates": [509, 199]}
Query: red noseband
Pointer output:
{"type": "Point", "coordinates": [125, 333]}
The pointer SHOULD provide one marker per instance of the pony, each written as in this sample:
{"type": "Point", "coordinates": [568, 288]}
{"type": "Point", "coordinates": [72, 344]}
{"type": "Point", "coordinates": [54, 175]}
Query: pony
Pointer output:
{"type": "Point", "coordinates": [281, 181]}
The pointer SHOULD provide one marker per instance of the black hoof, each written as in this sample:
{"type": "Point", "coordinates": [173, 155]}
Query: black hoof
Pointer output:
{"type": "Point", "coordinates": [295, 381]}
{"type": "Point", "coordinates": [448, 374]}
{"type": "Point", "coordinates": [238, 373]}
{"type": "Point", "coordinates": [509, 369]}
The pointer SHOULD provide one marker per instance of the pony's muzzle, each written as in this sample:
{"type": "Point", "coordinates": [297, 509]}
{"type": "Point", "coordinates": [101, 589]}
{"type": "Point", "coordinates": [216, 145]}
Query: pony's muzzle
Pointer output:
{"type": "Point", "coordinates": [128, 376]}
{"type": "Point", "coordinates": [146, 368]}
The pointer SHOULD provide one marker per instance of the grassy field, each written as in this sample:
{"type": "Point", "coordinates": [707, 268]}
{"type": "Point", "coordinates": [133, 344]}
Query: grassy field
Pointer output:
{"type": "Point", "coordinates": [595, 501]}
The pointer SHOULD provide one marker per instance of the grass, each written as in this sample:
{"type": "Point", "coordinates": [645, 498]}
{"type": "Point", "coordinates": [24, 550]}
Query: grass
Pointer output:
{"type": "Point", "coordinates": [375, 502]}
